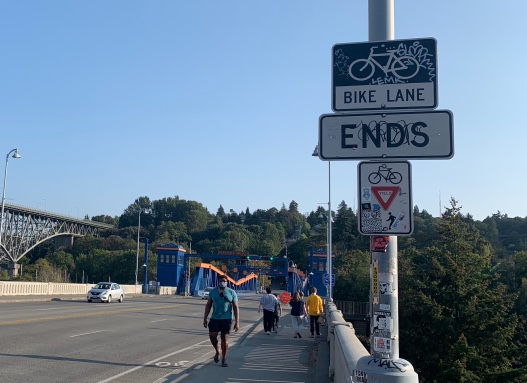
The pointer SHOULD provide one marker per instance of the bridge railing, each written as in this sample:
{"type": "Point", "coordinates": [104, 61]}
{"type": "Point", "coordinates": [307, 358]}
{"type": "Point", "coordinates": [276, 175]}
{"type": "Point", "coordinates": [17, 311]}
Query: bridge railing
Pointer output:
{"type": "Point", "coordinates": [9, 288]}
{"type": "Point", "coordinates": [345, 349]}
{"type": "Point", "coordinates": [349, 361]}
{"type": "Point", "coordinates": [350, 308]}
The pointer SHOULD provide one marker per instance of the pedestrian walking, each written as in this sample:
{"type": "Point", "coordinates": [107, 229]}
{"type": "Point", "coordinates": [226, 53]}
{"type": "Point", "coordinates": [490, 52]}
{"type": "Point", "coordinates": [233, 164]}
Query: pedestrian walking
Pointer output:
{"type": "Point", "coordinates": [298, 313]}
{"type": "Point", "coordinates": [314, 309]}
{"type": "Point", "coordinates": [277, 313]}
{"type": "Point", "coordinates": [301, 293]}
{"type": "Point", "coordinates": [224, 304]}
{"type": "Point", "coordinates": [267, 304]}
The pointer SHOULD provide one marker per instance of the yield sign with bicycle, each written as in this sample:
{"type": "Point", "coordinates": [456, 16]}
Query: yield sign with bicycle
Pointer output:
{"type": "Point", "coordinates": [385, 198]}
{"type": "Point", "coordinates": [395, 74]}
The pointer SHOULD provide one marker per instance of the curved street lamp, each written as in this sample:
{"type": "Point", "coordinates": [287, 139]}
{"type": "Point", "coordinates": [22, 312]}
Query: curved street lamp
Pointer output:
{"type": "Point", "coordinates": [15, 155]}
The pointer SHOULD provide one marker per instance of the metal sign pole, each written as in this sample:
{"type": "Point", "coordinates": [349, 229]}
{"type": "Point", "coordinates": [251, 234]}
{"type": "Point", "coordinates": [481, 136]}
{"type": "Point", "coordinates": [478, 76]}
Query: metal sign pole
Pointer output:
{"type": "Point", "coordinates": [380, 28]}
{"type": "Point", "coordinates": [384, 363]}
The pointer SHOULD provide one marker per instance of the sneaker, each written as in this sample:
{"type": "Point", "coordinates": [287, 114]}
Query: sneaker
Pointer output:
{"type": "Point", "coordinates": [268, 333]}
{"type": "Point", "coordinates": [312, 336]}
{"type": "Point", "coordinates": [319, 334]}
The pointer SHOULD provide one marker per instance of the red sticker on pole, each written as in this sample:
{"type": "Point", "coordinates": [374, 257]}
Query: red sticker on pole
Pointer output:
{"type": "Point", "coordinates": [379, 244]}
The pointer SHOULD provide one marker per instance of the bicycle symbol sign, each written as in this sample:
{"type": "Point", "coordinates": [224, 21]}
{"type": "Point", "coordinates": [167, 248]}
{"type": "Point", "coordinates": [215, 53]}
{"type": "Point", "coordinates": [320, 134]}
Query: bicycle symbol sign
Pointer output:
{"type": "Point", "coordinates": [403, 67]}
{"type": "Point", "coordinates": [384, 172]}
{"type": "Point", "coordinates": [385, 198]}
{"type": "Point", "coordinates": [395, 74]}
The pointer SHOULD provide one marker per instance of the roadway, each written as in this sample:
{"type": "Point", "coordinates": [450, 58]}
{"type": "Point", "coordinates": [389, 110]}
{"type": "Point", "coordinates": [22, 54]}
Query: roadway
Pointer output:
{"type": "Point", "coordinates": [148, 339]}
{"type": "Point", "coordinates": [144, 339]}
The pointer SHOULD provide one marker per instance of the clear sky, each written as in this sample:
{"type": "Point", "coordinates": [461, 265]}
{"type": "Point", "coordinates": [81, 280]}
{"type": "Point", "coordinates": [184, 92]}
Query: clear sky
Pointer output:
{"type": "Point", "coordinates": [218, 102]}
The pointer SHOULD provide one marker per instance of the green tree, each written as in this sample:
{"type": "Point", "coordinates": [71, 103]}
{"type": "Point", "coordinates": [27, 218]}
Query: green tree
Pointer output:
{"type": "Point", "coordinates": [62, 260]}
{"type": "Point", "coordinates": [175, 232]}
{"type": "Point", "coordinates": [462, 323]}
{"type": "Point", "coordinates": [221, 212]}
{"type": "Point", "coordinates": [130, 217]}
{"type": "Point", "coordinates": [234, 238]}
{"type": "Point", "coordinates": [105, 219]}
{"type": "Point", "coordinates": [194, 215]}
{"type": "Point", "coordinates": [268, 239]}
{"type": "Point", "coordinates": [345, 231]}
{"type": "Point", "coordinates": [352, 276]}
{"type": "Point", "coordinates": [4, 275]}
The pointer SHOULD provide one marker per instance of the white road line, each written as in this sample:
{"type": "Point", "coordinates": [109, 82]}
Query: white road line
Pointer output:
{"type": "Point", "coordinates": [159, 320]}
{"type": "Point", "coordinates": [262, 380]}
{"type": "Point", "coordinates": [53, 308]}
{"type": "Point", "coordinates": [87, 333]}
{"type": "Point", "coordinates": [152, 362]}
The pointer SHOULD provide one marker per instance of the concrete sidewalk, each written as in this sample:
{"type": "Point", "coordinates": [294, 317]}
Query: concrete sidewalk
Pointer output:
{"type": "Point", "coordinates": [258, 357]}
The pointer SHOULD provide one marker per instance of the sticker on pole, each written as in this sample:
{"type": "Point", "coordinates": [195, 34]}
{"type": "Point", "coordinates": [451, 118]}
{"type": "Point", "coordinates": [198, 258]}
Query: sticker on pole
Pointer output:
{"type": "Point", "coordinates": [385, 198]}
{"type": "Point", "coordinates": [379, 244]}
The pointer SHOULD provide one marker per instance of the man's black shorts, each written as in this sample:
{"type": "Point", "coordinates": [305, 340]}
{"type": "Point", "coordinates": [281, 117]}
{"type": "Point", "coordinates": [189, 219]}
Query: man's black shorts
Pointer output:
{"type": "Point", "coordinates": [220, 325]}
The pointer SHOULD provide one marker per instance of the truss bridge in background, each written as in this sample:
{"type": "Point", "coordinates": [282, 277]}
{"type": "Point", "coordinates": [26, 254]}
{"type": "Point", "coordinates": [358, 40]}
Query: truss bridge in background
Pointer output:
{"type": "Point", "coordinates": [24, 228]}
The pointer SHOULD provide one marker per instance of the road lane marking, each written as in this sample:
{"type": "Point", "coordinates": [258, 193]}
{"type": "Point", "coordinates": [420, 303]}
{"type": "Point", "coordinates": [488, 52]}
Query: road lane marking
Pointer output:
{"type": "Point", "coordinates": [159, 320]}
{"type": "Point", "coordinates": [81, 315]}
{"type": "Point", "coordinates": [53, 308]}
{"type": "Point", "coordinates": [87, 333]}
{"type": "Point", "coordinates": [153, 362]}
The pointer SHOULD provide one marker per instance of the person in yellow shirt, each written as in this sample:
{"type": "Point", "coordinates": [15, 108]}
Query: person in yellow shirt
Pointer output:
{"type": "Point", "coordinates": [314, 308]}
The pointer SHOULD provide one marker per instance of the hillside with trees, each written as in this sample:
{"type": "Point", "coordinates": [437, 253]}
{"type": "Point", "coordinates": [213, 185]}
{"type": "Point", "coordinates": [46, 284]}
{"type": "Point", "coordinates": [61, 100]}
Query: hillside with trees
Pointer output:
{"type": "Point", "coordinates": [463, 282]}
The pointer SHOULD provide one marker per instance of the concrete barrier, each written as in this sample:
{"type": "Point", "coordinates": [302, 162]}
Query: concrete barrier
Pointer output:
{"type": "Point", "coordinates": [345, 349]}
{"type": "Point", "coordinates": [350, 362]}
{"type": "Point", "coordinates": [8, 288]}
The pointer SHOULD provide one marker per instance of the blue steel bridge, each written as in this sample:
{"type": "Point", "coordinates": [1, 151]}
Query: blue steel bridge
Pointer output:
{"type": "Point", "coordinates": [25, 228]}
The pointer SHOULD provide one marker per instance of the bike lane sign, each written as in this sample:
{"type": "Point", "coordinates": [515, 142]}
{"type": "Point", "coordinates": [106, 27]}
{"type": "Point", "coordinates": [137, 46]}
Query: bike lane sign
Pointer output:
{"type": "Point", "coordinates": [385, 197]}
{"type": "Point", "coordinates": [394, 74]}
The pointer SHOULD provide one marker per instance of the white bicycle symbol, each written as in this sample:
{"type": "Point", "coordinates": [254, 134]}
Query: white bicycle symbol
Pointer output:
{"type": "Point", "coordinates": [403, 67]}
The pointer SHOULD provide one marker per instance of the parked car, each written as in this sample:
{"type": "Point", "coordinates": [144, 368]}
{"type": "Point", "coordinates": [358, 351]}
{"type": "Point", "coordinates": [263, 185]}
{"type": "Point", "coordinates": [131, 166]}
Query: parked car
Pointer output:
{"type": "Point", "coordinates": [105, 292]}
{"type": "Point", "coordinates": [206, 292]}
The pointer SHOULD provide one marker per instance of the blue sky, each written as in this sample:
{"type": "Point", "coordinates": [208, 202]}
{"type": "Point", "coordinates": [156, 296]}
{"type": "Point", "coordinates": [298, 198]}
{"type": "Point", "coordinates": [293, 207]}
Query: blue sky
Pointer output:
{"type": "Point", "coordinates": [218, 102]}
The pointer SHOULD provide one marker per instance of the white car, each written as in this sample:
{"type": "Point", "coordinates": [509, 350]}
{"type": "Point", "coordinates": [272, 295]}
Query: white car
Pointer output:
{"type": "Point", "coordinates": [105, 292]}
{"type": "Point", "coordinates": [206, 292]}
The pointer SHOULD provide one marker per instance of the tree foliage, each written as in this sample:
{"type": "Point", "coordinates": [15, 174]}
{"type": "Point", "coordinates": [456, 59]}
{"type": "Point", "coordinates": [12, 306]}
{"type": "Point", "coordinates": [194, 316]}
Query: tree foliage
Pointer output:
{"type": "Point", "coordinates": [463, 326]}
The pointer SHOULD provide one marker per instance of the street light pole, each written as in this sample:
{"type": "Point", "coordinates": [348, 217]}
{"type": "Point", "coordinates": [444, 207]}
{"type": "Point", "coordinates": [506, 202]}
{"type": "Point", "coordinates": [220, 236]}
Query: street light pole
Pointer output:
{"type": "Point", "coordinates": [187, 282]}
{"type": "Point", "coordinates": [15, 155]}
{"type": "Point", "coordinates": [329, 259]}
{"type": "Point", "coordinates": [137, 255]}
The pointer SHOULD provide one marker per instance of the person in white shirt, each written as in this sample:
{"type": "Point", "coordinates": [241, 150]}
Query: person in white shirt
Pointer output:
{"type": "Point", "coordinates": [267, 303]}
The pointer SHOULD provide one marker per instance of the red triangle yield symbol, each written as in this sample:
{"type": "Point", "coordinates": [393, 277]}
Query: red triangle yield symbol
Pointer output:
{"type": "Point", "coordinates": [385, 195]}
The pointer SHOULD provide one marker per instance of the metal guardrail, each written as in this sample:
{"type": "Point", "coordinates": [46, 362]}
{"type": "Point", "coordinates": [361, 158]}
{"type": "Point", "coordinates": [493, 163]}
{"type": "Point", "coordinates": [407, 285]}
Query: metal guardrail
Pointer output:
{"type": "Point", "coordinates": [353, 308]}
